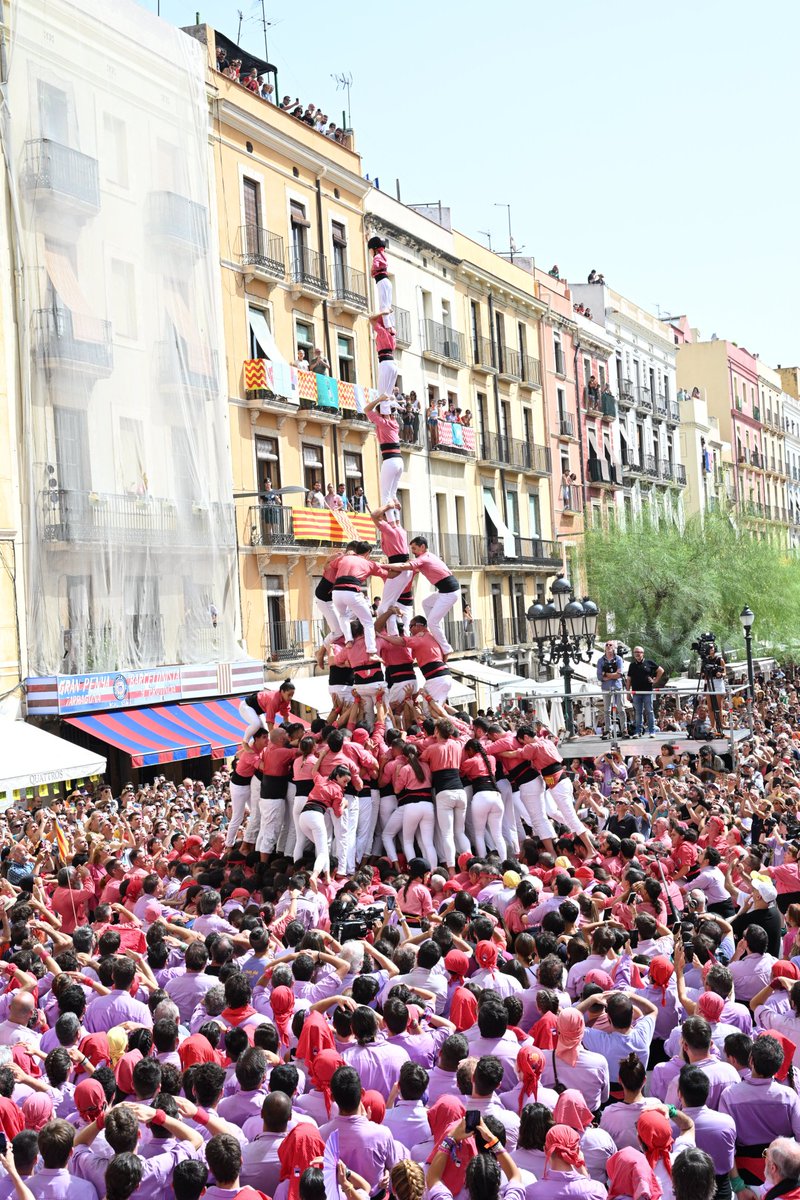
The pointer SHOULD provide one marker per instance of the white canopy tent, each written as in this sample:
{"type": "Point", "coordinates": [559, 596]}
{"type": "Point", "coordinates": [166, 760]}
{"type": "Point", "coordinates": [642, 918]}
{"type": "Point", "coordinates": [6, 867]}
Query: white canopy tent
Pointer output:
{"type": "Point", "coordinates": [30, 757]}
{"type": "Point", "coordinates": [312, 691]}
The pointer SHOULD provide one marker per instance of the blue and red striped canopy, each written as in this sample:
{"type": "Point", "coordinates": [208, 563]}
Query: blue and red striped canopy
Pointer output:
{"type": "Point", "coordinates": [169, 732]}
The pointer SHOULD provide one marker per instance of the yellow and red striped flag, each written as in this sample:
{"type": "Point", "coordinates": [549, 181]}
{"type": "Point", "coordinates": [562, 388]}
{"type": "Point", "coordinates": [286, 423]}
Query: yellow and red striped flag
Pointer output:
{"type": "Point", "coordinates": [61, 841]}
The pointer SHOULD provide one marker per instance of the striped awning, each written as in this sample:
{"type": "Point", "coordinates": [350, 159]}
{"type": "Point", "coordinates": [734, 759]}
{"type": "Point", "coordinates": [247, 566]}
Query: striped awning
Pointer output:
{"type": "Point", "coordinates": [169, 732]}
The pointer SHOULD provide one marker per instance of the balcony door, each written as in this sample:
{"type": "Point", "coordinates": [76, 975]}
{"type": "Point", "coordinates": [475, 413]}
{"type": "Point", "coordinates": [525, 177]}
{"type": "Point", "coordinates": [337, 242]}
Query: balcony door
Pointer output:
{"type": "Point", "coordinates": [251, 206]}
{"type": "Point", "coordinates": [72, 450]}
{"type": "Point", "coordinates": [54, 113]}
{"type": "Point", "coordinates": [276, 631]}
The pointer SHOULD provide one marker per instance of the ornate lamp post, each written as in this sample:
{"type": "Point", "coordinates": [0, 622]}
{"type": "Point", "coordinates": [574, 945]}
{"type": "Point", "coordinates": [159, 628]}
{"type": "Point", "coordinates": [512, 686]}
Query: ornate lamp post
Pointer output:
{"type": "Point", "coordinates": [564, 630]}
{"type": "Point", "coordinates": [747, 617]}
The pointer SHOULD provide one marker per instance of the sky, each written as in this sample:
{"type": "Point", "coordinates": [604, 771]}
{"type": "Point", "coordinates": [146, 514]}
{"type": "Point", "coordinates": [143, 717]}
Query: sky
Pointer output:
{"type": "Point", "coordinates": [653, 142]}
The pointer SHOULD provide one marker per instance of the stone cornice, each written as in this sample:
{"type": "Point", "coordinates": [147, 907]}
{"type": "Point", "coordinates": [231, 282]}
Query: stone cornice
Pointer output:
{"type": "Point", "coordinates": [404, 236]}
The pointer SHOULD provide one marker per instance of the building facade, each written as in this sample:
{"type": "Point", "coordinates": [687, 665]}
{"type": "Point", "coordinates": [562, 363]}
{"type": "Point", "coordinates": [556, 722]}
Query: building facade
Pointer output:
{"type": "Point", "coordinates": [790, 384]}
{"type": "Point", "coordinates": [706, 458]}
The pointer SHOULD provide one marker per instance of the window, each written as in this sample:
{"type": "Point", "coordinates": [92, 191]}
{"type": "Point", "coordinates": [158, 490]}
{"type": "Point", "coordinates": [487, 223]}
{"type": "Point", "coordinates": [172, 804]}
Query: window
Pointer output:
{"type": "Point", "coordinates": [601, 372]}
{"type": "Point", "coordinates": [512, 510]}
{"type": "Point", "coordinates": [72, 444]}
{"type": "Point", "coordinates": [313, 467]}
{"type": "Point", "coordinates": [304, 338]}
{"type": "Point", "coordinates": [559, 354]}
{"type": "Point", "coordinates": [565, 462]}
{"type": "Point", "coordinates": [251, 202]}
{"type": "Point", "coordinates": [268, 467]}
{"type": "Point", "coordinates": [144, 624]}
{"type": "Point", "coordinates": [353, 468]}
{"type": "Point", "coordinates": [131, 455]}
{"type": "Point", "coordinates": [339, 237]}
{"type": "Point", "coordinates": [527, 421]}
{"type": "Point", "coordinates": [587, 370]}
{"type": "Point", "coordinates": [300, 226]}
{"type": "Point", "coordinates": [499, 326]}
{"type": "Point", "coordinates": [259, 332]}
{"type": "Point", "coordinates": [347, 357]}
{"type": "Point", "coordinates": [534, 516]}
{"type": "Point", "coordinates": [276, 630]}
{"type": "Point", "coordinates": [115, 158]}
{"type": "Point", "coordinates": [562, 403]}
{"type": "Point", "coordinates": [481, 412]}
{"type": "Point", "coordinates": [475, 329]}
{"type": "Point", "coordinates": [184, 467]}
{"type": "Point", "coordinates": [54, 113]}
{"type": "Point", "coordinates": [122, 302]}
{"type": "Point", "coordinates": [522, 340]}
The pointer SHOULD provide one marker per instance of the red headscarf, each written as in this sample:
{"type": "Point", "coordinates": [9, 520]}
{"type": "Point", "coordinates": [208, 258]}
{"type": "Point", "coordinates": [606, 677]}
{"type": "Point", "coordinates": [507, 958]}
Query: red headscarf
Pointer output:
{"type": "Point", "coordinates": [124, 1071]}
{"type": "Point", "coordinates": [296, 1152]}
{"type": "Point", "coordinates": [95, 1047]}
{"type": "Point", "coordinates": [530, 1064]}
{"type": "Point", "coordinates": [486, 955]}
{"type": "Point", "coordinates": [661, 971]}
{"type": "Point", "coordinates": [374, 1106]}
{"type": "Point", "coordinates": [630, 1174]}
{"type": "Point", "coordinates": [601, 978]}
{"type": "Point", "coordinates": [710, 1006]}
{"type": "Point", "coordinates": [321, 1071]}
{"type": "Point", "coordinates": [21, 1056]}
{"type": "Point", "coordinates": [457, 963]}
{"type": "Point", "coordinates": [564, 1142]}
{"type": "Point", "coordinates": [196, 1049]}
{"type": "Point", "coordinates": [315, 1036]}
{"type": "Point", "coordinates": [90, 1099]}
{"type": "Point", "coordinates": [571, 1109]}
{"type": "Point", "coordinates": [282, 1004]}
{"type": "Point", "coordinates": [463, 1009]}
{"type": "Point", "coordinates": [788, 1047]}
{"type": "Point", "coordinates": [655, 1134]}
{"type": "Point", "coordinates": [783, 969]}
{"type": "Point", "coordinates": [443, 1116]}
{"type": "Point", "coordinates": [37, 1109]}
{"type": "Point", "coordinates": [571, 1028]}
{"type": "Point", "coordinates": [545, 1031]}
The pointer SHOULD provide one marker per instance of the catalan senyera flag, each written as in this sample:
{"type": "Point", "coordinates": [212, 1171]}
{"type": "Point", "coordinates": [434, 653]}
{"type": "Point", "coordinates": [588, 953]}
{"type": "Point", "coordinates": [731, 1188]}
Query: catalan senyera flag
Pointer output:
{"type": "Point", "coordinates": [61, 841]}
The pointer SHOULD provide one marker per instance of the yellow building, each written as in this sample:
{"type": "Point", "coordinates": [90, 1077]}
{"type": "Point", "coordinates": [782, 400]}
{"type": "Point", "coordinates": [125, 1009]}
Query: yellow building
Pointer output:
{"type": "Point", "coordinates": [294, 281]}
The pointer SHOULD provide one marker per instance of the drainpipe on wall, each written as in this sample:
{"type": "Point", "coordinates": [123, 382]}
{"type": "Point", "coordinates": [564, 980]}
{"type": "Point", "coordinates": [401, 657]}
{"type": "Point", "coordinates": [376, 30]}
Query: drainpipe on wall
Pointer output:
{"type": "Point", "coordinates": [326, 324]}
{"type": "Point", "coordinates": [584, 488]}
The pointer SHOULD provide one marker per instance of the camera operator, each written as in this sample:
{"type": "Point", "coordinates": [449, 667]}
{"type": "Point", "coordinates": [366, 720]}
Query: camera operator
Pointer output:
{"type": "Point", "coordinates": [714, 670]}
{"type": "Point", "coordinates": [642, 680]}
{"type": "Point", "coordinates": [609, 675]}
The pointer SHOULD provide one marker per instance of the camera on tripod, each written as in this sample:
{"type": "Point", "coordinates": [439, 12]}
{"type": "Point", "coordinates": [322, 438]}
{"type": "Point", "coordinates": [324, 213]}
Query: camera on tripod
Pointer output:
{"type": "Point", "coordinates": [703, 646]}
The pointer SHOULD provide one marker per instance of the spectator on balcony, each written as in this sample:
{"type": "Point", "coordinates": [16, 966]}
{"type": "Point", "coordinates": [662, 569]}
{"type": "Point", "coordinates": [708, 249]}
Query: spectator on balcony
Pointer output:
{"type": "Point", "coordinates": [252, 82]}
{"type": "Point", "coordinates": [269, 495]}
{"type": "Point", "coordinates": [565, 485]}
{"type": "Point", "coordinates": [222, 58]}
{"type": "Point", "coordinates": [466, 419]}
{"type": "Point", "coordinates": [330, 132]}
{"type": "Point", "coordinates": [315, 498]}
{"type": "Point", "coordinates": [301, 362]}
{"type": "Point", "coordinates": [267, 91]}
{"type": "Point", "coordinates": [407, 430]}
{"type": "Point", "coordinates": [358, 502]}
{"type": "Point", "coordinates": [587, 312]}
{"type": "Point", "coordinates": [593, 390]}
{"type": "Point", "coordinates": [341, 491]}
{"type": "Point", "coordinates": [319, 363]}
{"type": "Point", "coordinates": [592, 276]}
{"type": "Point", "coordinates": [432, 419]}
{"type": "Point", "coordinates": [287, 103]}
{"type": "Point", "coordinates": [333, 500]}
{"type": "Point", "coordinates": [233, 69]}
{"type": "Point", "coordinates": [416, 412]}
{"type": "Point", "coordinates": [554, 271]}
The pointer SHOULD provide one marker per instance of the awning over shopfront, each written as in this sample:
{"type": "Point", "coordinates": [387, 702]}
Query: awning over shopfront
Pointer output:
{"type": "Point", "coordinates": [168, 732]}
{"type": "Point", "coordinates": [32, 758]}
{"type": "Point", "coordinates": [471, 668]}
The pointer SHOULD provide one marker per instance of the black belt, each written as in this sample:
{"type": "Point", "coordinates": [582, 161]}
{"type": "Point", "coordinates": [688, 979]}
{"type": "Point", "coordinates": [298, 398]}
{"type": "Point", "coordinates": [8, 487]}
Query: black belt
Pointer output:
{"type": "Point", "coordinates": [446, 779]}
{"type": "Point", "coordinates": [386, 789]}
{"type": "Point", "coordinates": [481, 784]}
{"type": "Point", "coordinates": [522, 773]}
{"type": "Point", "coordinates": [273, 787]}
{"type": "Point", "coordinates": [340, 675]}
{"type": "Point", "coordinates": [403, 673]}
{"type": "Point", "coordinates": [315, 806]}
{"type": "Point", "coordinates": [368, 673]}
{"type": "Point", "coordinates": [448, 584]}
{"type": "Point", "coordinates": [241, 780]}
{"type": "Point", "coordinates": [379, 277]}
{"type": "Point", "coordinates": [409, 797]}
{"type": "Point", "coordinates": [324, 590]}
{"type": "Point", "coordinates": [406, 598]}
{"type": "Point", "coordinates": [302, 787]}
{"type": "Point", "coordinates": [398, 558]}
{"type": "Point", "coordinates": [252, 701]}
{"type": "Point", "coordinates": [553, 773]}
{"type": "Point", "coordinates": [434, 669]}
{"type": "Point", "coordinates": [385, 355]}
{"type": "Point", "coordinates": [348, 583]}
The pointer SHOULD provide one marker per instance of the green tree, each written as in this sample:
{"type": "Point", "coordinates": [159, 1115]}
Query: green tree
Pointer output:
{"type": "Point", "coordinates": [664, 585]}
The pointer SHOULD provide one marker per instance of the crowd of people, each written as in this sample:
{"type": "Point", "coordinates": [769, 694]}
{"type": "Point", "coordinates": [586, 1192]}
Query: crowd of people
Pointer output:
{"type": "Point", "coordinates": [609, 1011]}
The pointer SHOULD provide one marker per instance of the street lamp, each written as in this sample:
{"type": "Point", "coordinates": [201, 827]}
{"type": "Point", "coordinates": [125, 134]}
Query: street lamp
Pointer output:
{"type": "Point", "coordinates": [747, 616]}
{"type": "Point", "coordinates": [564, 630]}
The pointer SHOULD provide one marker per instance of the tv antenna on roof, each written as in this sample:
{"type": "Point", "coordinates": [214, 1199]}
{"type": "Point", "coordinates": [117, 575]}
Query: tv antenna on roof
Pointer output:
{"type": "Point", "coordinates": [485, 233]}
{"type": "Point", "coordinates": [345, 80]}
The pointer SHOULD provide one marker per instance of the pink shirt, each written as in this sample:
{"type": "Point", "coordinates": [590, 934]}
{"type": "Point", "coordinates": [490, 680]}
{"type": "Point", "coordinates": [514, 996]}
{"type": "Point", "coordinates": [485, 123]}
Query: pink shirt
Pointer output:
{"type": "Point", "coordinates": [442, 755]}
{"type": "Point", "coordinates": [386, 428]}
{"type": "Point", "coordinates": [379, 264]}
{"type": "Point", "coordinates": [406, 781]}
{"type": "Point", "coordinates": [431, 567]}
{"type": "Point", "coordinates": [355, 566]}
{"type": "Point", "coordinates": [394, 539]}
{"type": "Point", "coordinates": [72, 906]}
{"type": "Point", "coordinates": [415, 900]}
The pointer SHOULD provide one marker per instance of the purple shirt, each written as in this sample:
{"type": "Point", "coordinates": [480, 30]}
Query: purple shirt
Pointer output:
{"type": "Point", "coordinates": [58, 1184]}
{"type": "Point", "coordinates": [104, 1012]}
{"type": "Point", "coordinates": [720, 1075]}
{"type": "Point", "coordinates": [619, 1122]}
{"type": "Point", "coordinates": [714, 1132]}
{"type": "Point", "coordinates": [589, 1076]}
{"type": "Point", "coordinates": [366, 1148]}
{"type": "Point", "coordinates": [187, 990]}
{"type": "Point", "coordinates": [241, 1105]}
{"type": "Point", "coordinates": [494, 1107]}
{"type": "Point", "coordinates": [762, 1110]}
{"type": "Point", "coordinates": [441, 1083]}
{"type": "Point", "coordinates": [566, 1185]}
{"type": "Point", "coordinates": [407, 1122]}
{"type": "Point", "coordinates": [750, 975]}
{"type": "Point", "coordinates": [378, 1065]}
{"type": "Point", "coordinates": [422, 1048]}
{"type": "Point", "coordinates": [506, 1048]}
{"type": "Point", "coordinates": [261, 1167]}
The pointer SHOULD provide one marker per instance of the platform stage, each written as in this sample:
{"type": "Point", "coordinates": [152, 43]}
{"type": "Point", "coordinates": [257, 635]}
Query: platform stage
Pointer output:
{"type": "Point", "coordinates": [646, 746]}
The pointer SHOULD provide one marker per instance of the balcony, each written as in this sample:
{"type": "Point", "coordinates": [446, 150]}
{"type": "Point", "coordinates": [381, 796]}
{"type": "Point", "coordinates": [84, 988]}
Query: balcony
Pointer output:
{"type": "Point", "coordinates": [508, 363]}
{"type": "Point", "coordinates": [177, 222]}
{"type": "Point", "coordinates": [604, 403]}
{"type": "Point", "coordinates": [643, 399]}
{"type": "Point", "coordinates": [73, 342]}
{"type": "Point", "coordinates": [661, 407]}
{"type": "Point", "coordinates": [349, 289]}
{"type": "Point", "coordinates": [650, 466]}
{"type": "Point", "coordinates": [461, 551]}
{"type": "Point", "coordinates": [756, 413]}
{"type": "Point", "coordinates": [292, 641]}
{"type": "Point", "coordinates": [631, 466]}
{"type": "Point", "coordinates": [184, 370]}
{"type": "Point", "coordinates": [666, 471]}
{"type": "Point", "coordinates": [276, 386]}
{"type": "Point", "coordinates": [61, 178]}
{"type": "Point", "coordinates": [757, 459]}
{"type": "Point", "coordinates": [263, 253]}
{"type": "Point", "coordinates": [673, 412]}
{"type": "Point", "coordinates": [513, 631]}
{"type": "Point", "coordinates": [441, 342]}
{"type": "Point", "coordinates": [101, 518]}
{"type": "Point", "coordinates": [602, 473]}
{"type": "Point", "coordinates": [753, 508]}
{"type": "Point", "coordinates": [277, 528]}
{"type": "Point", "coordinates": [531, 371]}
{"type": "Point", "coordinates": [309, 272]}
{"type": "Point", "coordinates": [744, 457]}
{"type": "Point", "coordinates": [566, 425]}
{"type": "Point", "coordinates": [464, 635]}
{"type": "Point", "coordinates": [534, 552]}
{"type": "Point", "coordinates": [571, 498]}
{"type": "Point", "coordinates": [511, 452]}
{"type": "Point", "coordinates": [449, 439]}
{"type": "Point", "coordinates": [402, 325]}
{"type": "Point", "coordinates": [680, 474]}
{"type": "Point", "coordinates": [626, 394]}
{"type": "Point", "coordinates": [482, 355]}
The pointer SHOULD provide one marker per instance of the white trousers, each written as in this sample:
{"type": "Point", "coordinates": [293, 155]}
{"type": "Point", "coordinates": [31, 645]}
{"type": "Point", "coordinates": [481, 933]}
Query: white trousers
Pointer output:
{"type": "Point", "coordinates": [254, 720]}
{"type": "Point", "coordinates": [391, 827]}
{"type": "Point", "coordinates": [387, 806]}
{"type": "Point", "coordinates": [391, 474]}
{"type": "Point", "coordinates": [344, 830]}
{"type": "Point", "coordinates": [287, 825]}
{"type": "Point", "coordinates": [273, 815]}
{"type": "Point", "coordinates": [240, 799]}
{"type": "Point", "coordinates": [451, 812]}
{"type": "Point", "coordinates": [295, 840]}
{"type": "Point", "coordinates": [365, 828]}
{"type": "Point", "coordinates": [349, 605]}
{"type": "Point", "coordinates": [533, 800]}
{"type": "Point", "coordinates": [510, 831]}
{"type": "Point", "coordinates": [387, 376]}
{"type": "Point", "coordinates": [436, 607]}
{"type": "Point", "coordinates": [384, 292]}
{"type": "Point", "coordinates": [393, 588]}
{"type": "Point", "coordinates": [418, 820]}
{"type": "Point", "coordinates": [398, 693]}
{"type": "Point", "coordinates": [312, 826]}
{"type": "Point", "coordinates": [329, 614]}
{"type": "Point", "coordinates": [562, 796]}
{"type": "Point", "coordinates": [487, 810]}
{"type": "Point", "coordinates": [439, 689]}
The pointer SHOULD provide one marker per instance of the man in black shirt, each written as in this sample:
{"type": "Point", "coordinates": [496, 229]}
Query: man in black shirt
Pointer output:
{"type": "Point", "coordinates": [761, 910]}
{"type": "Point", "coordinates": [643, 677]}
